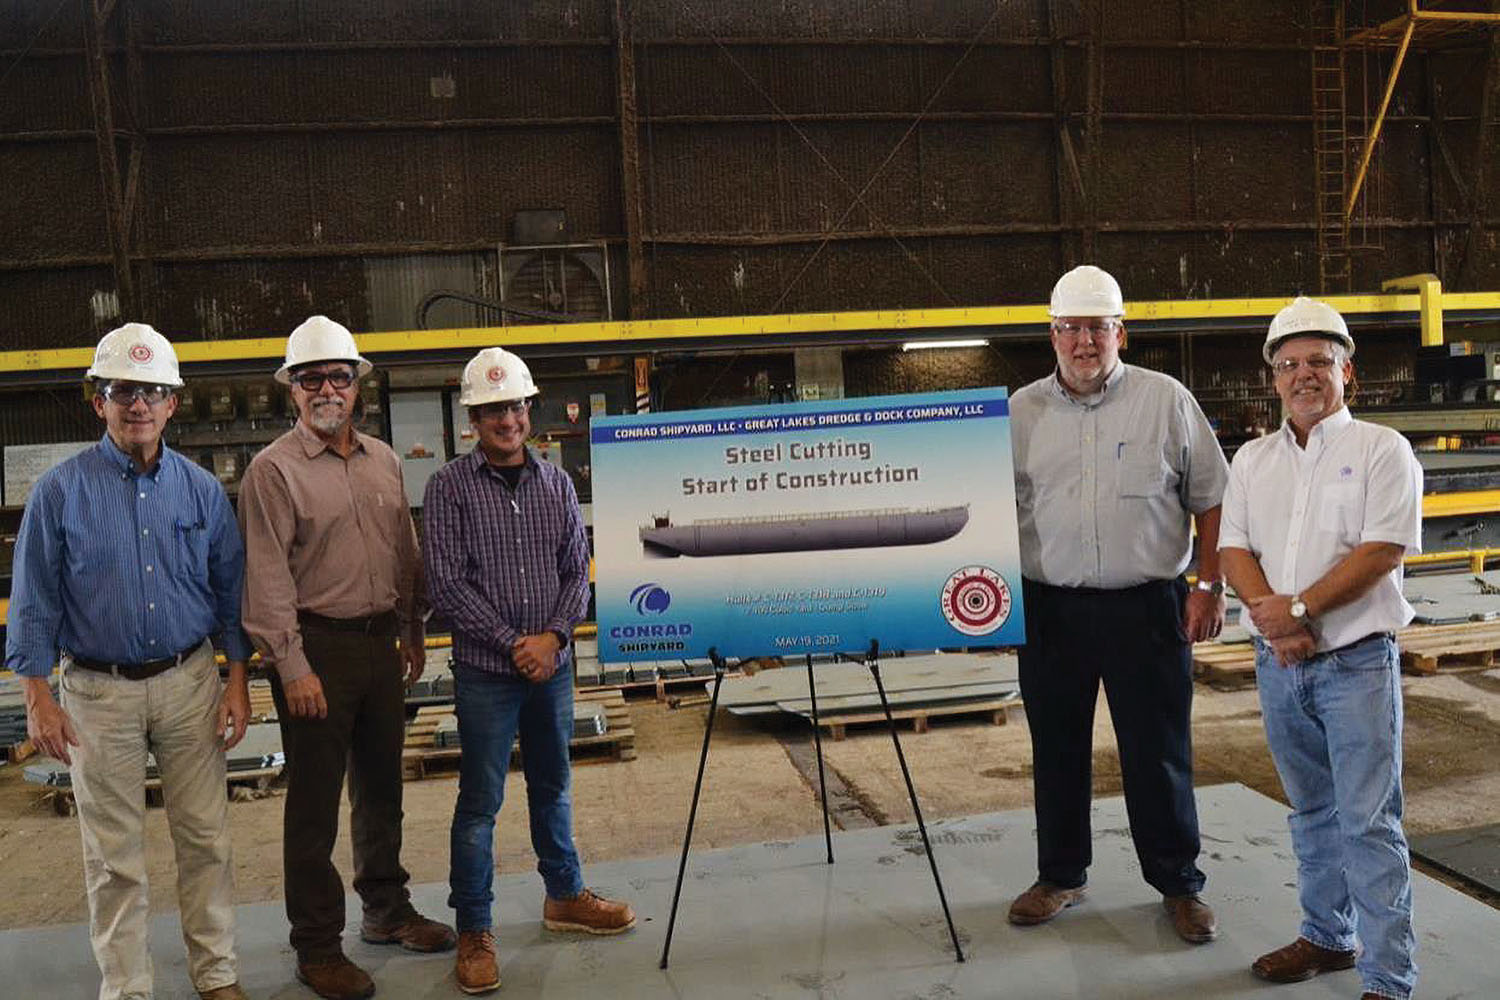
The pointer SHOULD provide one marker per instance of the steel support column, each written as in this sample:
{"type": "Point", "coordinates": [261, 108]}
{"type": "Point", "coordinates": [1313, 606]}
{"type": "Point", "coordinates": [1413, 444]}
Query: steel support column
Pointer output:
{"type": "Point", "coordinates": [630, 159]}
{"type": "Point", "coordinates": [95, 18]}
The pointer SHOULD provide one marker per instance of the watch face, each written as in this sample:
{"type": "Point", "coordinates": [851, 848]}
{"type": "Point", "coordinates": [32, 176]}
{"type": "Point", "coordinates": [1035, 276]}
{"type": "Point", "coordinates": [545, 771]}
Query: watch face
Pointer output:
{"type": "Point", "coordinates": [1298, 609]}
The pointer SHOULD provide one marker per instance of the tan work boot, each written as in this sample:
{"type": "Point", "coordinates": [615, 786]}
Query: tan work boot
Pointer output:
{"type": "Point", "coordinates": [587, 912]}
{"type": "Point", "coordinates": [417, 933]}
{"type": "Point", "coordinates": [230, 992]}
{"type": "Point", "coordinates": [1299, 961]}
{"type": "Point", "coordinates": [1041, 903]}
{"type": "Point", "coordinates": [1191, 918]}
{"type": "Point", "coordinates": [476, 969]}
{"type": "Point", "coordinates": [335, 978]}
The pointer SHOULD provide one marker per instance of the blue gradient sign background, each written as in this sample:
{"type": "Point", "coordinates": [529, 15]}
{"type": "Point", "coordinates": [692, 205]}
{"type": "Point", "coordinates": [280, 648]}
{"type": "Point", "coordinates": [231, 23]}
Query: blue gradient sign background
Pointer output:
{"type": "Point", "coordinates": [933, 450]}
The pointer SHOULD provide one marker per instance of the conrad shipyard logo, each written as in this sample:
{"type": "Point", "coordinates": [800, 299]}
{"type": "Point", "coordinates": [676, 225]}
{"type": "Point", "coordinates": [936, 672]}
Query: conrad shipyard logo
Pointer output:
{"type": "Point", "coordinates": [651, 600]}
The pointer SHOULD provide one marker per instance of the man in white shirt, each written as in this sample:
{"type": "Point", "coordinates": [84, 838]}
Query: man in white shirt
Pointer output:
{"type": "Point", "coordinates": [1316, 521]}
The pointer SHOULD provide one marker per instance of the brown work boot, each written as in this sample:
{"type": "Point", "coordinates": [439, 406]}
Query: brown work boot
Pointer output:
{"type": "Point", "coordinates": [336, 978]}
{"type": "Point", "coordinates": [416, 933]}
{"type": "Point", "coordinates": [1041, 903]}
{"type": "Point", "coordinates": [230, 992]}
{"type": "Point", "coordinates": [1191, 918]}
{"type": "Point", "coordinates": [1299, 961]}
{"type": "Point", "coordinates": [476, 969]}
{"type": "Point", "coordinates": [587, 912]}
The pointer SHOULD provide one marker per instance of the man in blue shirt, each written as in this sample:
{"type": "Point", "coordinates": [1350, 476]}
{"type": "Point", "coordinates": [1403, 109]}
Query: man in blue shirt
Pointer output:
{"type": "Point", "coordinates": [128, 571]}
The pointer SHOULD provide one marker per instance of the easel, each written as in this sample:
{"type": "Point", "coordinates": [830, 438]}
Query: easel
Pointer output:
{"type": "Point", "coordinates": [871, 660]}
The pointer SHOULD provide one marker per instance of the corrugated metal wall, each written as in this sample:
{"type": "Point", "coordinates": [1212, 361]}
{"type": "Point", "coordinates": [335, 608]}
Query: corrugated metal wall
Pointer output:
{"type": "Point", "coordinates": [301, 156]}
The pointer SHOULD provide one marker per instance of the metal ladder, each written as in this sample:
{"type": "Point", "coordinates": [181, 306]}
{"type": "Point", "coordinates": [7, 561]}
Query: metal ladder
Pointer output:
{"type": "Point", "coordinates": [1330, 145]}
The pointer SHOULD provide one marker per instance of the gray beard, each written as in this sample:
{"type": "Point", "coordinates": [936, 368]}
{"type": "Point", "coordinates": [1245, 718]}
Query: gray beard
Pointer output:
{"type": "Point", "coordinates": [328, 419]}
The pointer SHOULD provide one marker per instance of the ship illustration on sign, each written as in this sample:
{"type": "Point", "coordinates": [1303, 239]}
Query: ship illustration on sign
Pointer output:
{"type": "Point", "coordinates": [848, 529]}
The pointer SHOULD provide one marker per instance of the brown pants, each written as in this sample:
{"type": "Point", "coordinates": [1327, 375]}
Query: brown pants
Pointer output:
{"type": "Point", "coordinates": [362, 682]}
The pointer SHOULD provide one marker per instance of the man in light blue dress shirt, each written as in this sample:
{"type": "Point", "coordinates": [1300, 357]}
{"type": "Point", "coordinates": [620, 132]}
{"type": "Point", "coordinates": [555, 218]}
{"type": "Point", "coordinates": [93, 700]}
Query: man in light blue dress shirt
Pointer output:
{"type": "Point", "coordinates": [128, 570]}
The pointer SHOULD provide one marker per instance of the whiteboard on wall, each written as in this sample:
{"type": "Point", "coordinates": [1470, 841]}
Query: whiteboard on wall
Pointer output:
{"type": "Point", "coordinates": [25, 463]}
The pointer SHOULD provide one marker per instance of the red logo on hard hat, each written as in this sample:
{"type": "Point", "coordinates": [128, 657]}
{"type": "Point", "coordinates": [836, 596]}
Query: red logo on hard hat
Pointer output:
{"type": "Point", "coordinates": [140, 354]}
{"type": "Point", "coordinates": [495, 375]}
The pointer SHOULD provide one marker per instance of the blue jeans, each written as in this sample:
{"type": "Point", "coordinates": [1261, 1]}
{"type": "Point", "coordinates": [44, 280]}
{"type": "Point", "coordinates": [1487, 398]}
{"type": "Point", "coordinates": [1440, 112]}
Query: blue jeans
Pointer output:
{"type": "Point", "coordinates": [492, 710]}
{"type": "Point", "coordinates": [1334, 726]}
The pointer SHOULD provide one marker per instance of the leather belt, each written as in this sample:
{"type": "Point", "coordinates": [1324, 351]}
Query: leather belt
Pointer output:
{"type": "Point", "coordinates": [136, 671]}
{"type": "Point", "coordinates": [382, 624]}
{"type": "Point", "coordinates": [1364, 638]}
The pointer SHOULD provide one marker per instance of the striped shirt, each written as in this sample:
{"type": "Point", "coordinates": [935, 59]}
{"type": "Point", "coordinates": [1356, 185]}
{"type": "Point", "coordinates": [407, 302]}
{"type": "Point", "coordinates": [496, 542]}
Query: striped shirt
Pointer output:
{"type": "Point", "coordinates": [503, 563]}
{"type": "Point", "coordinates": [122, 566]}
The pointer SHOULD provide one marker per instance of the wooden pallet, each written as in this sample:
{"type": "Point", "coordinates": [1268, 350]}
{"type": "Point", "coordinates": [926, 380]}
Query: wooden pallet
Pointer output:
{"type": "Point", "coordinates": [997, 711]}
{"type": "Point", "coordinates": [1428, 649]}
{"type": "Point", "coordinates": [261, 778]}
{"type": "Point", "coordinates": [17, 752]}
{"type": "Point", "coordinates": [422, 758]}
{"type": "Point", "coordinates": [1225, 666]}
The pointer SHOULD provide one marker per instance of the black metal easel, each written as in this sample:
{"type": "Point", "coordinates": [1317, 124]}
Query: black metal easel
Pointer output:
{"type": "Point", "coordinates": [872, 660]}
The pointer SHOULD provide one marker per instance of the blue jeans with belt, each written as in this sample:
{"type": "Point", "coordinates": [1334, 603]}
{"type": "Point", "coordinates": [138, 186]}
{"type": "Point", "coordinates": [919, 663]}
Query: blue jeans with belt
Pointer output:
{"type": "Point", "coordinates": [493, 709]}
{"type": "Point", "coordinates": [1334, 726]}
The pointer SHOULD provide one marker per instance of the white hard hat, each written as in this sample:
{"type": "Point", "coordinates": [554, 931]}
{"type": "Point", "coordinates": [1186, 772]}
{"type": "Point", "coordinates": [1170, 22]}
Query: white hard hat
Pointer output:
{"type": "Point", "coordinates": [1306, 317]}
{"type": "Point", "coordinates": [320, 339]}
{"type": "Point", "coordinates": [1086, 291]}
{"type": "Point", "coordinates": [135, 353]}
{"type": "Point", "coordinates": [495, 375]}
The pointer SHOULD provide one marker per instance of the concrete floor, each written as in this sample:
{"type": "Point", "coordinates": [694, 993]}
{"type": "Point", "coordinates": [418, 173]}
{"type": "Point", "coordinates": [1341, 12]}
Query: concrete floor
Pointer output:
{"type": "Point", "coordinates": [774, 920]}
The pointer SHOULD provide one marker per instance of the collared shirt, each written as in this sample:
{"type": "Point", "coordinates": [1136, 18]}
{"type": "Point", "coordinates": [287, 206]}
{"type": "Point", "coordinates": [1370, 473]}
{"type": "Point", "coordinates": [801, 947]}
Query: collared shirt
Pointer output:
{"type": "Point", "coordinates": [325, 534]}
{"type": "Point", "coordinates": [1299, 511]}
{"type": "Point", "coordinates": [117, 565]}
{"type": "Point", "coordinates": [1105, 486]}
{"type": "Point", "coordinates": [503, 563]}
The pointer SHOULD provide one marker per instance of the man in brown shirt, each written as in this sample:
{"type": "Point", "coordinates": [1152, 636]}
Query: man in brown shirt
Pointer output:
{"type": "Point", "coordinates": [333, 577]}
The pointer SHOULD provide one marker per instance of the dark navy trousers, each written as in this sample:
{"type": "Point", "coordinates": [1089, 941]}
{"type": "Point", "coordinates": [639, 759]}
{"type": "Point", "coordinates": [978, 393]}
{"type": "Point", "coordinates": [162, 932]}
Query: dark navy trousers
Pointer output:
{"type": "Point", "coordinates": [1133, 641]}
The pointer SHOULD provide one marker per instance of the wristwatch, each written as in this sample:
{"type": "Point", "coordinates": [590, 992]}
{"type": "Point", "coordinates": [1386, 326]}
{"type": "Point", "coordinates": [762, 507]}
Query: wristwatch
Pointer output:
{"type": "Point", "coordinates": [1215, 587]}
{"type": "Point", "coordinates": [1298, 610]}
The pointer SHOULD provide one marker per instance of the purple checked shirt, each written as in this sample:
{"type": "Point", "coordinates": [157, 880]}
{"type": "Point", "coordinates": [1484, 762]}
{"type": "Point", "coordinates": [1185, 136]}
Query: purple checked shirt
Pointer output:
{"type": "Point", "coordinates": [504, 563]}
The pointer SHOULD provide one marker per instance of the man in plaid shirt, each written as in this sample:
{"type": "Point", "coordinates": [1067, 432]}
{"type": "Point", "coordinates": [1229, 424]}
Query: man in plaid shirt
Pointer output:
{"type": "Point", "coordinates": [507, 565]}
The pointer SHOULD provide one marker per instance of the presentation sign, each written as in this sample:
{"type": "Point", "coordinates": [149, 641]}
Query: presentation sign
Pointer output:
{"type": "Point", "coordinates": [807, 528]}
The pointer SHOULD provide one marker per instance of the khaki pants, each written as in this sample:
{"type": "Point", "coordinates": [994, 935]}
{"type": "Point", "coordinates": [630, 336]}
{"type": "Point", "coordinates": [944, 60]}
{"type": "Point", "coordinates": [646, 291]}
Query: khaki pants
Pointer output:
{"type": "Point", "coordinates": [173, 715]}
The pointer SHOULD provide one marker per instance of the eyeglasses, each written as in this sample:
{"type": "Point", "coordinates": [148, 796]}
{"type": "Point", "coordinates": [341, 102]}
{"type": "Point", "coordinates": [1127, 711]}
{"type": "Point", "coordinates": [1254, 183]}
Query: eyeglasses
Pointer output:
{"type": "Point", "coordinates": [343, 378]}
{"type": "Point", "coordinates": [1072, 331]}
{"type": "Point", "coordinates": [494, 411]}
{"type": "Point", "coordinates": [1317, 363]}
{"type": "Point", "coordinates": [126, 393]}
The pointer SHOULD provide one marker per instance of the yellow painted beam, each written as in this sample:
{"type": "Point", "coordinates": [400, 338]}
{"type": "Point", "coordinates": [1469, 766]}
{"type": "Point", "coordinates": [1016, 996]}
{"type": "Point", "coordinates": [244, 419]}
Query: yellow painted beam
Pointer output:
{"type": "Point", "coordinates": [1461, 504]}
{"type": "Point", "coordinates": [1430, 291]}
{"type": "Point", "coordinates": [623, 335]}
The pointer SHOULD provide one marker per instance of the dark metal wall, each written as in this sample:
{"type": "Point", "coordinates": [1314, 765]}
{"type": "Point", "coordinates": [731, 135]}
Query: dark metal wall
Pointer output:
{"type": "Point", "coordinates": [845, 154]}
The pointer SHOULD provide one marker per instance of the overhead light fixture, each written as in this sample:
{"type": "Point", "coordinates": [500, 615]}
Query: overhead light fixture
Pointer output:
{"type": "Point", "coordinates": [923, 345]}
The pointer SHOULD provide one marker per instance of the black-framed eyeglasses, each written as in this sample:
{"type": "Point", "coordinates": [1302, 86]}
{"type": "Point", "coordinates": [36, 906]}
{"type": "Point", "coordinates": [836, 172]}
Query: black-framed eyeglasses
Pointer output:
{"type": "Point", "coordinates": [341, 378]}
{"type": "Point", "coordinates": [495, 411]}
{"type": "Point", "coordinates": [1317, 363]}
{"type": "Point", "coordinates": [126, 393]}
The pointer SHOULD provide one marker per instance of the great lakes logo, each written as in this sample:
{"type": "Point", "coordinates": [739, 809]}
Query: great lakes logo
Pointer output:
{"type": "Point", "coordinates": [976, 600]}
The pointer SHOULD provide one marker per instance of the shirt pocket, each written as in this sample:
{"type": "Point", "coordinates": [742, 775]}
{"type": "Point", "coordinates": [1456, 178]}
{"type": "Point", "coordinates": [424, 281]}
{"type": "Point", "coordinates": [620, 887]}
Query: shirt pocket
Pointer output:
{"type": "Point", "coordinates": [190, 550]}
{"type": "Point", "coordinates": [1142, 477]}
{"type": "Point", "coordinates": [1341, 510]}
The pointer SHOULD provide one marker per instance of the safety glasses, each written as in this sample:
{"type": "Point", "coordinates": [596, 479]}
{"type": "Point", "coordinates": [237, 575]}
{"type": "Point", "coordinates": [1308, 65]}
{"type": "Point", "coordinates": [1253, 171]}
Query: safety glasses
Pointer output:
{"type": "Point", "coordinates": [126, 393]}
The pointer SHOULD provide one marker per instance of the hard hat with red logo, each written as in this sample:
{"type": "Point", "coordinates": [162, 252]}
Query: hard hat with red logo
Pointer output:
{"type": "Point", "coordinates": [319, 338]}
{"type": "Point", "coordinates": [135, 353]}
{"type": "Point", "coordinates": [495, 376]}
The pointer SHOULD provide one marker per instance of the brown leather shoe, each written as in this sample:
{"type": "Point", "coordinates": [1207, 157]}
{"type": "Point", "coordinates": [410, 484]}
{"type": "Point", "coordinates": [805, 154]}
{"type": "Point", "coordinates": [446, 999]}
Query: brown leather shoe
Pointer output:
{"type": "Point", "coordinates": [230, 992]}
{"type": "Point", "coordinates": [335, 978]}
{"type": "Point", "coordinates": [476, 969]}
{"type": "Point", "coordinates": [1299, 961]}
{"type": "Point", "coordinates": [1042, 902]}
{"type": "Point", "coordinates": [416, 934]}
{"type": "Point", "coordinates": [1191, 918]}
{"type": "Point", "coordinates": [587, 912]}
